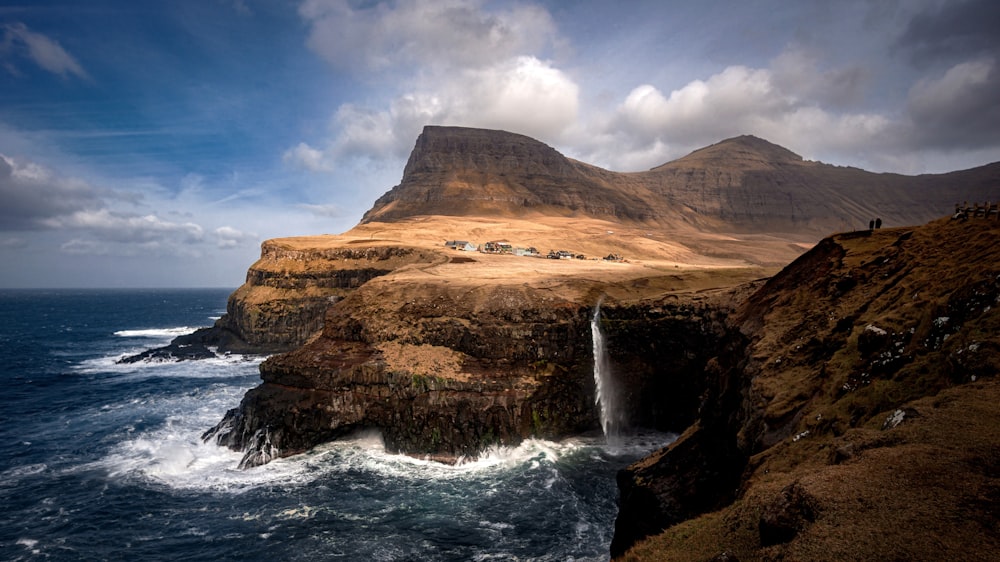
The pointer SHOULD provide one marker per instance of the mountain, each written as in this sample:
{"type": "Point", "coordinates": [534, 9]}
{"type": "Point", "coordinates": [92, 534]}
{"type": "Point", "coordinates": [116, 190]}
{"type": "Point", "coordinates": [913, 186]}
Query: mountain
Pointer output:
{"type": "Point", "coordinates": [457, 171]}
{"type": "Point", "coordinates": [743, 185]}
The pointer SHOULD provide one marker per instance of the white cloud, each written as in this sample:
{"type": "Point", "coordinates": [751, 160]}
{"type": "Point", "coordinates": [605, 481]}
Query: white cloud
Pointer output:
{"type": "Point", "coordinates": [79, 247]}
{"type": "Point", "coordinates": [468, 63]}
{"type": "Point", "coordinates": [367, 132]}
{"type": "Point", "coordinates": [108, 225]}
{"type": "Point", "coordinates": [523, 95]}
{"type": "Point", "coordinates": [798, 74]}
{"type": "Point", "coordinates": [229, 237]}
{"type": "Point", "coordinates": [736, 98]}
{"type": "Point", "coordinates": [328, 211]}
{"type": "Point", "coordinates": [13, 243]}
{"type": "Point", "coordinates": [37, 197]}
{"type": "Point", "coordinates": [43, 51]}
{"type": "Point", "coordinates": [455, 62]}
{"type": "Point", "coordinates": [426, 33]}
{"type": "Point", "coordinates": [650, 127]}
{"type": "Point", "coordinates": [305, 157]}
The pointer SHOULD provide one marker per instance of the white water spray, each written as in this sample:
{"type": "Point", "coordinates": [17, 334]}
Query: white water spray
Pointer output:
{"type": "Point", "coordinates": [607, 396]}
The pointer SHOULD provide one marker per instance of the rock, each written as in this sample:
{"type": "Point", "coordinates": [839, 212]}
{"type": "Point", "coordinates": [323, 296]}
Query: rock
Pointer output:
{"type": "Point", "coordinates": [787, 514]}
{"type": "Point", "coordinates": [698, 473]}
{"type": "Point", "coordinates": [446, 371]}
{"type": "Point", "coordinates": [797, 373]}
{"type": "Point", "coordinates": [285, 298]}
{"type": "Point", "coordinates": [188, 347]}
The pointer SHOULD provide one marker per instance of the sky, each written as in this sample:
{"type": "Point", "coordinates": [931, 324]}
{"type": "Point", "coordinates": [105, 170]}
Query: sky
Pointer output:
{"type": "Point", "coordinates": [157, 144]}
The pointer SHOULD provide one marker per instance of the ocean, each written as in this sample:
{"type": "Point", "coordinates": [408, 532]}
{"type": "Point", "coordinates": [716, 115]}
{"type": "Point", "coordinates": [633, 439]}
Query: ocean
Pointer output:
{"type": "Point", "coordinates": [100, 461]}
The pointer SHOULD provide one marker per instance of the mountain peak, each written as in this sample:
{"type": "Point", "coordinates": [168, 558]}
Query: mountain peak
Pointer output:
{"type": "Point", "coordinates": [744, 151]}
{"type": "Point", "coordinates": [461, 171]}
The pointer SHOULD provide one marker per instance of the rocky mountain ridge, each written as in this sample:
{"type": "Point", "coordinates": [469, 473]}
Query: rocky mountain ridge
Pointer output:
{"type": "Point", "coordinates": [744, 184]}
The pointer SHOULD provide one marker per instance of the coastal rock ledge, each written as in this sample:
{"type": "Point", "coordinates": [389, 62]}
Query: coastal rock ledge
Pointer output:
{"type": "Point", "coordinates": [446, 370]}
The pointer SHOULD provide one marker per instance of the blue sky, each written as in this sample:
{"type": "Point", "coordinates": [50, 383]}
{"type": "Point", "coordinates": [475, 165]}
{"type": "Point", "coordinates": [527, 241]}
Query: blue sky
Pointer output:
{"type": "Point", "coordinates": [149, 144]}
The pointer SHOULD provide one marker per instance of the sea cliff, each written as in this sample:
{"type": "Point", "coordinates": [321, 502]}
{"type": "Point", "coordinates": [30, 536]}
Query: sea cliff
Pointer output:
{"type": "Point", "coordinates": [445, 370]}
{"type": "Point", "coordinates": [850, 393]}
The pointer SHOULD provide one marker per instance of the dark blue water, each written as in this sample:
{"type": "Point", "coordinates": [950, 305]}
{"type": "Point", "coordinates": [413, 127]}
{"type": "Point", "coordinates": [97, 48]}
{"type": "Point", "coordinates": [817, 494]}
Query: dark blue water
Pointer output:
{"type": "Point", "coordinates": [104, 461]}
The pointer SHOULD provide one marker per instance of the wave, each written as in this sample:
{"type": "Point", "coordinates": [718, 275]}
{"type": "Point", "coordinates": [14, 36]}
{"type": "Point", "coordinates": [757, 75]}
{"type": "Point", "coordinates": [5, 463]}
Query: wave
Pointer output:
{"type": "Point", "coordinates": [225, 365]}
{"type": "Point", "coordinates": [160, 333]}
{"type": "Point", "coordinates": [367, 453]}
{"type": "Point", "coordinates": [175, 456]}
{"type": "Point", "coordinates": [171, 452]}
{"type": "Point", "coordinates": [11, 477]}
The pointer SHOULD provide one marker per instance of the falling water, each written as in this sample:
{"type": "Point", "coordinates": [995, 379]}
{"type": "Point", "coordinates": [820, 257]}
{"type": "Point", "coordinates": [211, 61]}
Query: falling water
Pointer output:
{"type": "Point", "coordinates": [606, 399]}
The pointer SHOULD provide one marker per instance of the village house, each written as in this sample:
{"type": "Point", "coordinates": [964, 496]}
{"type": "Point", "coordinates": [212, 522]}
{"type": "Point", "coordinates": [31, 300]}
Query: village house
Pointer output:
{"type": "Point", "coordinates": [529, 252]}
{"type": "Point", "coordinates": [497, 247]}
{"type": "Point", "coordinates": [461, 245]}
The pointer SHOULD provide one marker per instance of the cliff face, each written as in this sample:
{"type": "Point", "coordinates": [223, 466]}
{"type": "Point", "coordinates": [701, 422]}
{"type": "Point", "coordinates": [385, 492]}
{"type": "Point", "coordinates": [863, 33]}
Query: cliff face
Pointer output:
{"type": "Point", "coordinates": [859, 355]}
{"type": "Point", "coordinates": [844, 384]}
{"type": "Point", "coordinates": [477, 172]}
{"type": "Point", "coordinates": [446, 371]}
{"type": "Point", "coordinates": [287, 291]}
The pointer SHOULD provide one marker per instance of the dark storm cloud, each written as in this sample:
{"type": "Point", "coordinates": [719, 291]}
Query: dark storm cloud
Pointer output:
{"type": "Point", "coordinates": [959, 110]}
{"type": "Point", "coordinates": [32, 196]}
{"type": "Point", "coordinates": [954, 107]}
{"type": "Point", "coordinates": [37, 198]}
{"type": "Point", "coordinates": [957, 29]}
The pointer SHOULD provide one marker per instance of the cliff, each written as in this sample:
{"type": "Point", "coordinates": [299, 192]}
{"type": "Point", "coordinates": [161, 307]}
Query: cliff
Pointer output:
{"type": "Point", "coordinates": [287, 291]}
{"type": "Point", "coordinates": [852, 413]}
{"type": "Point", "coordinates": [445, 365]}
{"type": "Point", "coordinates": [476, 172]}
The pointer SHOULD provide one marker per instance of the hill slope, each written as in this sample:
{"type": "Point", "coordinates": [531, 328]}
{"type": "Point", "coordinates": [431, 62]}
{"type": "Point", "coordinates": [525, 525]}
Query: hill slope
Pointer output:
{"type": "Point", "coordinates": [742, 185]}
{"type": "Point", "coordinates": [854, 414]}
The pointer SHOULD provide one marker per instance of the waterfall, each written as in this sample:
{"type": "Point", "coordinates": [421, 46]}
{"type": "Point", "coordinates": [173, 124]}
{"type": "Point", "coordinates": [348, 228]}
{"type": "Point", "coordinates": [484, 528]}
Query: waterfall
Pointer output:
{"type": "Point", "coordinates": [606, 398]}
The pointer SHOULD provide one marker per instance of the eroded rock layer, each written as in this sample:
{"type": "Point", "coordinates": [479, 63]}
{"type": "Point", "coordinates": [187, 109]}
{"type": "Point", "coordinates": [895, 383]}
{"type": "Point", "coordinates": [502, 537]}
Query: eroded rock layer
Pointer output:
{"type": "Point", "coordinates": [287, 291]}
{"type": "Point", "coordinates": [447, 370]}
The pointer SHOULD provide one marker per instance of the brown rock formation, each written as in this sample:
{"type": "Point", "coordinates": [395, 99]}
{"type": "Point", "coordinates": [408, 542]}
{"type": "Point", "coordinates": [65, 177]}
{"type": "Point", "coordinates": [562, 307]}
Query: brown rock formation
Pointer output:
{"type": "Point", "coordinates": [858, 418]}
{"type": "Point", "coordinates": [287, 291]}
{"type": "Point", "coordinates": [742, 185]}
{"type": "Point", "coordinates": [502, 335]}
{"type": "Point", "coordinates": [447, 368]}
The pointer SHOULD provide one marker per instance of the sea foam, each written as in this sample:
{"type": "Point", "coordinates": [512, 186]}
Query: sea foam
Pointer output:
{"type": "Point", "coordinates": [156, 332]}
